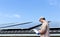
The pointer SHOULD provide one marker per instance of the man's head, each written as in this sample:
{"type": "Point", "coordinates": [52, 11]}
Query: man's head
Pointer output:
{"type": "Point", "coordinates": [42, 19]}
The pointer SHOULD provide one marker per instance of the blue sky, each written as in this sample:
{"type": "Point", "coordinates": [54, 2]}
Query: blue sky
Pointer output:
{"type": "Point", "coordinates": [28, 10]}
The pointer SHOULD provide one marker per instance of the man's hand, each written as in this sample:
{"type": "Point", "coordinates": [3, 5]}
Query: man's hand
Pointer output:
{"type": "Point", "coordinates": [36, 31]}
{"type": "Point", "coordinates": [43, 29]}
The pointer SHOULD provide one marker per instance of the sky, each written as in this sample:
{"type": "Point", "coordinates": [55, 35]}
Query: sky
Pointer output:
{"type": "Point", "coordinates": [12, 11]}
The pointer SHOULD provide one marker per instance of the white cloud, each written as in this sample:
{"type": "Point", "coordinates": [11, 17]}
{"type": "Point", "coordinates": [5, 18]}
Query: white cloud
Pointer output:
{"type": "Point", "coordinates": [17, 16]}
{"type": "Point", "coordinates": [10, 15]}
{"type": "Point", "coordinates": [53, 2]}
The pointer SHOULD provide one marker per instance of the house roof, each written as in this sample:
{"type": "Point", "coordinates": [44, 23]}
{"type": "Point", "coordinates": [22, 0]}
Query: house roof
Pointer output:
{"type": "Point", "coordinates": [27, 31]}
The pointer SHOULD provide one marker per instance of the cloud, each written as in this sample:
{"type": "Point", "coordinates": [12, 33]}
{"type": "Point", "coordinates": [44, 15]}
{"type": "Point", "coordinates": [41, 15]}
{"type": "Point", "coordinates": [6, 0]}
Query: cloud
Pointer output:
{"type": "Point", "coordinates": [10, 15]}
{"type": "Point", "coordinates": [16, 15]}
{"type": "Point", "coordinates": [53, 2]}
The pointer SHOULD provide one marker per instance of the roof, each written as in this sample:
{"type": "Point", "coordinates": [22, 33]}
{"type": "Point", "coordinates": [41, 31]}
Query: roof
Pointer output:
{"type": "Point", "coordinates": [27, 31]}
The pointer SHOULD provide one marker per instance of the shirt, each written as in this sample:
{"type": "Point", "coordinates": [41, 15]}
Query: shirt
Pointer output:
{"type": "Point", "coordinates": [45, 27]}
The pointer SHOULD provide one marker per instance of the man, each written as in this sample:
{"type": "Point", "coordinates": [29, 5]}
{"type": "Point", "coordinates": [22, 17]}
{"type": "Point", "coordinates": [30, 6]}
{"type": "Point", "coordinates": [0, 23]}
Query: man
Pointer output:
{"type": "Point", "coordinates": [44, 31]}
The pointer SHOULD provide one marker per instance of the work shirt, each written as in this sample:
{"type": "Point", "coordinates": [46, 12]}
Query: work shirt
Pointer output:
{"type": "Point", "coordinates": [45, 27]}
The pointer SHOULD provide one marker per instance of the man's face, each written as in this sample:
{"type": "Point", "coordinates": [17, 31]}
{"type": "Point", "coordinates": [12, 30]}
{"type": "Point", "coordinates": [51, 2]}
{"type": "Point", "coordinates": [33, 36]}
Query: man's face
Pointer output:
{"type": "Point", "coordinates": [41, 20]}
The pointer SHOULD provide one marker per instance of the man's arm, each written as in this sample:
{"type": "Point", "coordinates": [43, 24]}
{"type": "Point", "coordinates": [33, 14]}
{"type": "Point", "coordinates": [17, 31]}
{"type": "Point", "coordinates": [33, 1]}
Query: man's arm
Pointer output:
{"type": "Point", "coordinates": [43, 29]}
